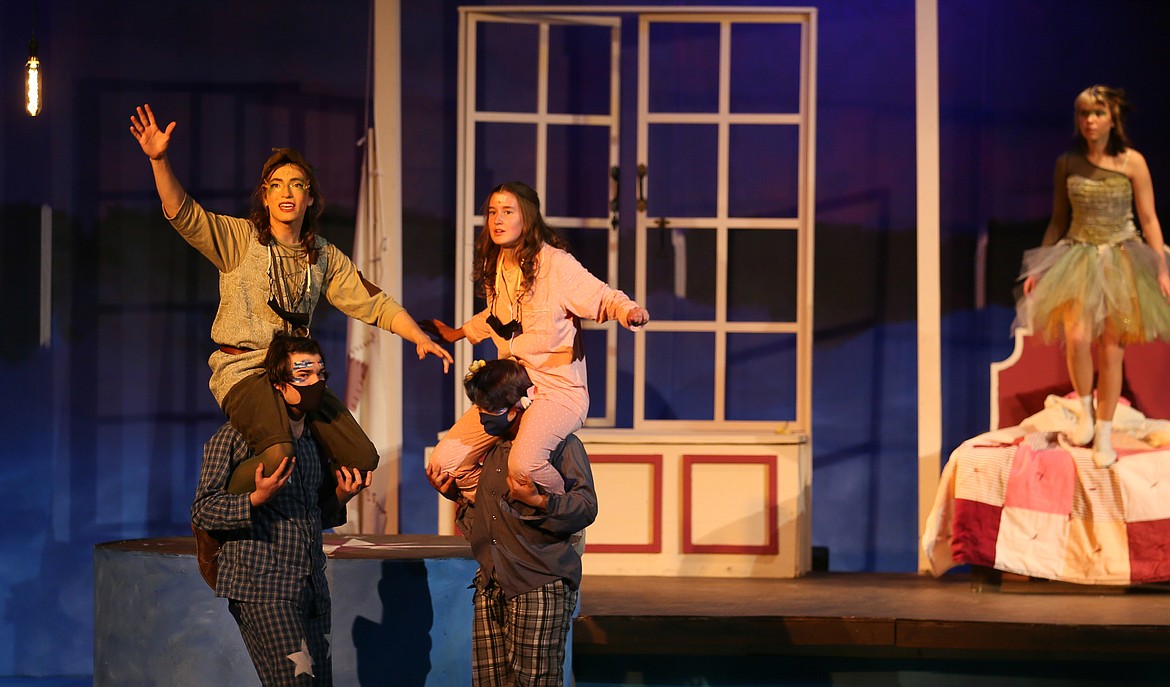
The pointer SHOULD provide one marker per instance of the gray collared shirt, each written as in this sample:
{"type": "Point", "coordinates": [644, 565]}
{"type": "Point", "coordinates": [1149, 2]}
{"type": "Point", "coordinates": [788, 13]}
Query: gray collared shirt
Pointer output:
{"type": "Point", "coordinates": [520, 547]}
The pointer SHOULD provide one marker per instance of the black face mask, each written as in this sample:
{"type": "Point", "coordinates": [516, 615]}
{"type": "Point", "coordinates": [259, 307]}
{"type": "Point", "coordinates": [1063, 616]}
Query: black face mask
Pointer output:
{"type": "Point", "coordinates": [311, 396]}
{"type": "Point", "coordinates": [497, 425]}
{"type": "Point", "coordinates": [505, 331]}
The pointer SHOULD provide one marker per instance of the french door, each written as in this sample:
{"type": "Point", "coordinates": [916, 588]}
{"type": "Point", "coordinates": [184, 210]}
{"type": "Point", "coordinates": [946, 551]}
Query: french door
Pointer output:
{"type": "Point", "coordinates": [717, 178]}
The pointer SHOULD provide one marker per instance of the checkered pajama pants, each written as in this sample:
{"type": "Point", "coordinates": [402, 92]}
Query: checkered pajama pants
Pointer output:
{"type": "Point", "coordinates": [521, 641]}
{"type": "Point", "coordinates": [288, 642]}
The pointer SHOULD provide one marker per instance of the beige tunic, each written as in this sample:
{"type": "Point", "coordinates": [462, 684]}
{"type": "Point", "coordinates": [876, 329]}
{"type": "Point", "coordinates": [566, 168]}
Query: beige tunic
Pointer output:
{"type": "Point", "coordinates": [244, 319]}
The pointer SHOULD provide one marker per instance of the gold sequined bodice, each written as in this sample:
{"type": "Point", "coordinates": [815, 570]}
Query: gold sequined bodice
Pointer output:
{"type": "Point", "coordinates": [1102, 208]}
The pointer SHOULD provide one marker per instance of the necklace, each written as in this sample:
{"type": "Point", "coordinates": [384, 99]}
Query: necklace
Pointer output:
{"type": "Point", "coordinates": [508, 283]}
{"type": "Point", "coordinates": [285, 275]}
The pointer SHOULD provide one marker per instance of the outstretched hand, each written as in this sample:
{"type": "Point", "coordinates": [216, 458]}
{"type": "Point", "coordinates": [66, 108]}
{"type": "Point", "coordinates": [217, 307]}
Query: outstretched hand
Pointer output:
{"type": "Point", "coordinates": [145, 129]}
{"type": "Point", "coordinates": [430, 347]}
{"type": "Point", "coordinates": [638, 317]}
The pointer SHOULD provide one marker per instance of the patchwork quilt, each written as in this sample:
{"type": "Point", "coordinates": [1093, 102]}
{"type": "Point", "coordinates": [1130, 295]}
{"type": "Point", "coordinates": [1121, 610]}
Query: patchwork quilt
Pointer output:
{"type": "Point", "coordinates": [1027, 503]}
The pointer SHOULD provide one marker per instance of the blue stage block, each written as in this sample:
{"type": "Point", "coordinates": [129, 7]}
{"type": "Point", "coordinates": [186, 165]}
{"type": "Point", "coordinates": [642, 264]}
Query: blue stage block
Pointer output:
{"type": "Point", "coordinates": [401, 614]}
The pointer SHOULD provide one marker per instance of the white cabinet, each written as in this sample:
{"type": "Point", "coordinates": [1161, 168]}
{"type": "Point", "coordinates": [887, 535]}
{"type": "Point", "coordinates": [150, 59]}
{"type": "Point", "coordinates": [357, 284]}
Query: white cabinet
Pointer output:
{"type": "Point", "coordinates": [706, 504]}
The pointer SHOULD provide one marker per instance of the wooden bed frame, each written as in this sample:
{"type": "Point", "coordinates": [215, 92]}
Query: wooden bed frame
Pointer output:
{"type": "Point", "coordinates": [1035, 369]}
{"type": "Point", "coordinates": [1021, 382]}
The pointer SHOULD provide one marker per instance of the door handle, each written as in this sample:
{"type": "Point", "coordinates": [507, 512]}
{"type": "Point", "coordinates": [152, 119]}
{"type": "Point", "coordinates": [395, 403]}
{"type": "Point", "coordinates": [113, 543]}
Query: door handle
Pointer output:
{"type": "Point", "coordinates": [615, 173]}
{"type": "Point", "coordinates": [662, 224]}
{"type": "Point", "coordinates": [642, 187]}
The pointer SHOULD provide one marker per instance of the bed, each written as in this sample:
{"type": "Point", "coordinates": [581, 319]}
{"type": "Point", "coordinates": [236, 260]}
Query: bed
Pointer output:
{"type": "Point", "coordinates": [1019, 499]}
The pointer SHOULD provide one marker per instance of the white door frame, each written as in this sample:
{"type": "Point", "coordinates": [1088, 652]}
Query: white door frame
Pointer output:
{"type": "Point", "coordinates": [803, 223]}
{"type": "Point", "coordinates": [467, 206]}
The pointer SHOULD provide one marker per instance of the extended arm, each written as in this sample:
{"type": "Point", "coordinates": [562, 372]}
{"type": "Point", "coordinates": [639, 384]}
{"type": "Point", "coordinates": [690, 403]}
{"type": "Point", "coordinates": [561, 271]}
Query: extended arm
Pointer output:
{"type": "Point", "coordinates": [440, 329]}
{"type": "Point", "coordinates": [404, 325]}
{"type": "Point", "coordinates": [587, 296]}
{"type": "Point", "coordinates": [155, 142]}
{"type": "Point", "coordinates": [357, 297]}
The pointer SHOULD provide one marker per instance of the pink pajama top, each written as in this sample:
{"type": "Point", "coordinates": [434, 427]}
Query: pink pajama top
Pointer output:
{"type": "Point", "coordinates": [549, 347]}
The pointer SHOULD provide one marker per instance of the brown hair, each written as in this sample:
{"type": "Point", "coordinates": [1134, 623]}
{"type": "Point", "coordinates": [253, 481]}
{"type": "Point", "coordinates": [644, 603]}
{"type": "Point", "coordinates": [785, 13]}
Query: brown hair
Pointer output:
{"type": "Point", "coordinates": [497, 384]}
{"type": "Point", "coordinates": [535, 234]}
{"type": "Point", "coordinates": [1114, 99]}
{"type": "Point", "coordinates": [259, 214]}
{"type": "Point", "coordinates": [276, 361]}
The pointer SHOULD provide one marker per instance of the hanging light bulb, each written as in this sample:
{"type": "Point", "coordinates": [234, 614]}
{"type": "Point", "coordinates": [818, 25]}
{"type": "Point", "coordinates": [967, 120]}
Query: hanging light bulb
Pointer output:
{"type": "Point", "coordinates": [33, 93]}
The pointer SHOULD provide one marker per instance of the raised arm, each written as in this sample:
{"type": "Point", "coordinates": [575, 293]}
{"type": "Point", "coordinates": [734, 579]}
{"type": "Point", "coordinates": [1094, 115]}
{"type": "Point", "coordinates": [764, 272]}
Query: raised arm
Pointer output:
{"type": "Point", "coordinates": [154, 142]}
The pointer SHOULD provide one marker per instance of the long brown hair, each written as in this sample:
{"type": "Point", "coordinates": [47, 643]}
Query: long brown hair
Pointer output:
{"type": "Point", "coordinates": [259, 214]}
{"type": "Point", "coordinates": [534, 235]}
{"type": "Point", "coordinates": [1114, 99]}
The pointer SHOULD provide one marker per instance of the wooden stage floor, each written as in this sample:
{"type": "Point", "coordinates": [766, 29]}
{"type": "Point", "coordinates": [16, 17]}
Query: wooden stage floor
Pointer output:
{"type": "Point", "coordinates": [872, 615]}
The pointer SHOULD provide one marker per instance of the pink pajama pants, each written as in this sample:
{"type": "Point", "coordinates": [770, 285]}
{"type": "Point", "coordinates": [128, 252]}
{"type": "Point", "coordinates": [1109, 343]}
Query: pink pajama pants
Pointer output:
{"type": "Point", "coordinates": [545, 425]}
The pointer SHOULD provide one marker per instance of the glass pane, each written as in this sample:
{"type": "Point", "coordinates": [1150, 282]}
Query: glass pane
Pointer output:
{"type": "Point", "coordinates": [684, 67]}
{"type": "Point", "coordinates": [503, 152]}
{"type": "Point", "coordinates": [763, 168]}
{"type": "Point", "coordinates": [591, 248]}
{"type": "Point", "coordinates": [579, 68]}
{"type": "Point", "coordinates": [680, 274]}
{"type": "Point", "coordinates": [680, 174]}
{"type": "Point", "coordinates": [761, 275]}
{"type": "Point", "coordinates": [506, 62]}
{"type": "Point", "coordinates": [578, 171]}
{"type": "Point", "coordinates": [680, 375]}
{"type": "Point", "coordinates": [761, 377]}
{"type": "Point", "coordinates": [595, 348]}
{"type": "Point", "coordinates": [765, 68]}
{"type": "Point", "coordinates": [484, 350]}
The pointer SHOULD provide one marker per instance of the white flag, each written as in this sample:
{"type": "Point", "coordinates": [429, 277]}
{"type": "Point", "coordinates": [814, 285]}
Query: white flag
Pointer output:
{"type": "Point", "coordinates": [373, 365]}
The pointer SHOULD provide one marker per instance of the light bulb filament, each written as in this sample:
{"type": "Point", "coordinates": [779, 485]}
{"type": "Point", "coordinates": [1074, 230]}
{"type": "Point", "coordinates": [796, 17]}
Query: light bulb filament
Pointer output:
{"type": "Point", "coordinates": [33, 80]}
{"type": "Point", "coordinates": [34, 86]}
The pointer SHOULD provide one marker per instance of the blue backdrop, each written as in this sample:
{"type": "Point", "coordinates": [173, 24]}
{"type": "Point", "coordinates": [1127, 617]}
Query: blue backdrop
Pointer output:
{"type": "Point", "coordinates": [106, 422]}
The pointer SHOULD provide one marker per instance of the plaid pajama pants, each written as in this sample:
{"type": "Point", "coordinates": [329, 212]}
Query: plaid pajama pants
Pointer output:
{"type": "Point", "coordinates": [521, 641]}
{"type": "Point", "coordinates": [288, 641]}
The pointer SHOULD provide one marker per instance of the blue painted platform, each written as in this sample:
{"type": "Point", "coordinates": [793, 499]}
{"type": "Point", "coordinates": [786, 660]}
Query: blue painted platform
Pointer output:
{"type": "Point", "coordinates": [401, 607]}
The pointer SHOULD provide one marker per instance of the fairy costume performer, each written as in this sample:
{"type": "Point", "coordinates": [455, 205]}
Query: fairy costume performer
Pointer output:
{"type": "Point", "coordinates": [1093, 280]}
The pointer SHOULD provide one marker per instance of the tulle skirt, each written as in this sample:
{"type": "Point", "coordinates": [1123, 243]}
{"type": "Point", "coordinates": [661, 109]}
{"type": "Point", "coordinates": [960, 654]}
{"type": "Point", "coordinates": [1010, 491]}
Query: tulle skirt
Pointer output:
{"type": "Point", "coordinates": [1095, 283]}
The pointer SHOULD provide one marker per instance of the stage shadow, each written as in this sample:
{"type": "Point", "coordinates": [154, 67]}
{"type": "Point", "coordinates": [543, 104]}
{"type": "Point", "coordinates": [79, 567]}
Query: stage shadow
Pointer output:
{"type": "Point", "coordinates": [399, 645]}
